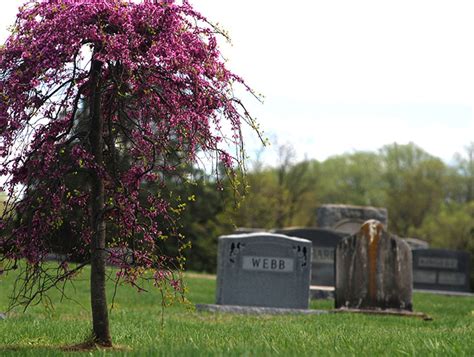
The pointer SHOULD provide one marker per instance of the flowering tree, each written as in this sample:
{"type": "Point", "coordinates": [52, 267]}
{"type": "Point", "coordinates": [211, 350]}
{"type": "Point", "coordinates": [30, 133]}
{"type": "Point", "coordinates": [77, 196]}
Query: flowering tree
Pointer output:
{"type": "Point", "coordinates": [148, 80]}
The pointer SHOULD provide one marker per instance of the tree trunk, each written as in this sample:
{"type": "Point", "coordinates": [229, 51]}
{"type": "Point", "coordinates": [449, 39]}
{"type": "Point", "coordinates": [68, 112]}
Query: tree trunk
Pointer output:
{"type": "Point", "coordinates": [100, 318]}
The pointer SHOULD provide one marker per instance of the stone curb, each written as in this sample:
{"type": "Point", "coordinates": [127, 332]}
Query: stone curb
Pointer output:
{"type": "Point", "coordinates": [254, 310]}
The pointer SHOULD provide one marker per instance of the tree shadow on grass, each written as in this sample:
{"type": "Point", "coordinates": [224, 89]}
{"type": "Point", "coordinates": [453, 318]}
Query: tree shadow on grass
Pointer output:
{"type": "Point", "coordinates": [89, 346]}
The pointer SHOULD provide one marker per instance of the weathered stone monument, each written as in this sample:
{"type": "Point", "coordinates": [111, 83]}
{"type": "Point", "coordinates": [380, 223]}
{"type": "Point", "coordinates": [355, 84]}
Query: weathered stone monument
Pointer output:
{"type": "Point", "coordinates": [441, 269]}
{"type": "Point", "coordinates": [324, 247]}
{"type": "Point", "coordinates": [263, 269]}
{"type": "Point", "coordinates": [373, 270]}
{"type": "Point", "coordinates": [348, 218]}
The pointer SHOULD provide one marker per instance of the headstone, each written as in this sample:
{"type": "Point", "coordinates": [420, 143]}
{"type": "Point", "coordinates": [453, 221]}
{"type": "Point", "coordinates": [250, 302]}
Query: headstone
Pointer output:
{"type": "Point", "coordinates": [324, 243]}
{"type": "Point", "coordinates": [373, 270]}
{"type": "Point", "coordinates": [416, 243]}
{"type": "Point", "coordinates": [263, 269]}
{"type": "Point", "coordinates": [348, 218]}
{"type": "Point", "coordinates": [245, 230]}
{"type": "Point", "coordinates": [348, 225]}
{"type": "Point", "coordinates": [440, 269]}
{"type": "Point", "coordinates": [56, 257]}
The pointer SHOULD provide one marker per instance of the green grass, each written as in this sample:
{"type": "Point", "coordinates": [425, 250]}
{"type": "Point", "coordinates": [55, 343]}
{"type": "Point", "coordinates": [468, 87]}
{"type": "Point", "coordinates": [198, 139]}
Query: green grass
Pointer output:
{"type": "Point", "coordinates": [137, 328]}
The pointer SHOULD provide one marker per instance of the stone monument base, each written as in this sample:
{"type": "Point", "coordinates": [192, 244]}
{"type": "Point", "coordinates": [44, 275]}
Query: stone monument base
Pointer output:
{"type": "Point", "coordinates": [445, 292]}
{"type": "Point", "coordinates": [254, 310]}
{"type": "Point", "coordinates": [317, 292]}
{"type": "Point", "coordinates": [389, 312]}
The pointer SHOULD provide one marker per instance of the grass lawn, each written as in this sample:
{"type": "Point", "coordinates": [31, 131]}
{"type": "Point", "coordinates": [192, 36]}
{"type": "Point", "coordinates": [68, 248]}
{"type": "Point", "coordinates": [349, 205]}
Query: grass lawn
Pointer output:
{"type": "Point", "coordinates": [137, 327]}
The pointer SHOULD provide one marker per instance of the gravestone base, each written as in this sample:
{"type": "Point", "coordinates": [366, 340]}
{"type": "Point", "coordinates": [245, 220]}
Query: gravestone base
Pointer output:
{"type": "Point", "coordinates": [254, 310]}
{"type": "Point", "coordinates": [386, 312]}
{"type": "Point", "coordinates": [321, 292]}
{"type": "Point", "coordinates": [444, 292]}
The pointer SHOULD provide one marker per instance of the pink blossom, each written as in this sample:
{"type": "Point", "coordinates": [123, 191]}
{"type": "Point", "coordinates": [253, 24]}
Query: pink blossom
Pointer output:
{"type": "Point", "coordinates": [164, 90]}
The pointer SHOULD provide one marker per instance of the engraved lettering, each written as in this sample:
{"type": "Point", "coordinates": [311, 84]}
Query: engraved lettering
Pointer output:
{"type": "Point", "coordinates": [255, 262]}
{"type": "Point", "coordinates": [424, 276]}
{"type": "Point", "coordinates": [268, 264]}
{"type": "Point", "coordinates": [450, 278]}
{"type": "Point", "coordinates": [440, 263]}
{"type": "Point", "coordinates": [323, 255]}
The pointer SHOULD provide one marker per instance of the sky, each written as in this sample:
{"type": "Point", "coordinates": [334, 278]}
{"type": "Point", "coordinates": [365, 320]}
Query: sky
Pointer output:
{"type": "Point", "coordinates": [343, 76]}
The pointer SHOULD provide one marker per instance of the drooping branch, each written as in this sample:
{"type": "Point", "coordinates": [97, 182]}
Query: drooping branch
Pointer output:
{"type": "Point", "coordinates": [89, 144]}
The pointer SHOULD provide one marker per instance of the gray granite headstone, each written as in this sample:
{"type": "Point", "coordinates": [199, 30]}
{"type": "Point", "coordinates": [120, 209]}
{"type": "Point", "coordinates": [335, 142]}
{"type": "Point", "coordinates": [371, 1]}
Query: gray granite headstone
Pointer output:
{"type": "Point", "coordinates": [440, 269]}
{"type": "Point", "coordinates": [324, 246]}
{"type": "Point", "coordinates": [373, 270]}
{"type": "Point", "coordinates": [416, 243]}
{"type": "Point", "coordinates": [348, 218]}
{"type": "Point", "coordinates": [56, 257]}
{"type": "Point", "coordinates": [263, 269]}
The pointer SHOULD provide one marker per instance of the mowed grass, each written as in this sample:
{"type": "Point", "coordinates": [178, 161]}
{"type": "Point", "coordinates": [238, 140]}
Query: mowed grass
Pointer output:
{"type": "Point", "coordinates": [137, 328]}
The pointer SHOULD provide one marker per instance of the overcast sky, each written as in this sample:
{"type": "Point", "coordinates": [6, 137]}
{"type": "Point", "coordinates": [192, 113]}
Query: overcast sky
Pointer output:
{"type": "Point", "coordinates": [340, 76]}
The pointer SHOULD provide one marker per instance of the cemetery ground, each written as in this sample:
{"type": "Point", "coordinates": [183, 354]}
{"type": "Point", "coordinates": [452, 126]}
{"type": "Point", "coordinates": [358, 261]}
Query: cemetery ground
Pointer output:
{"type": "Point", "coordinates": [139, 328]}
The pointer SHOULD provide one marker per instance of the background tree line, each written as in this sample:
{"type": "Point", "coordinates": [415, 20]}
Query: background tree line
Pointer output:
{"type": "Point", "coordinates": [425, 197]}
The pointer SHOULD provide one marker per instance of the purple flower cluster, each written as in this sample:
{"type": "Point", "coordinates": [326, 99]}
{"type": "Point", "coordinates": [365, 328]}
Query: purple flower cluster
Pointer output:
{"type": "Point", "coordinates": [164, 90]}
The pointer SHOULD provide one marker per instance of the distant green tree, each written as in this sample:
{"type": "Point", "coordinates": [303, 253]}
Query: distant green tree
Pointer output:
{"type": "Point", "coordinates": [352, 179]}
{"type": "Point", "coordinates": [294, 182]}
{"type": "Point", "coordinates": [206, 214]}
{"type": "Point", "coordinates": [461, 186]}
{"type": "Point", "coordinates": [3, 198]}
{"type": "Point", "coordinates": [452, 226]}
{"type": "Point", "coordinates": [414, 182]}
{"type": "Point", "coordinates": [258, 207]}
{"type": "Point", "coordinates": [278, 196]}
